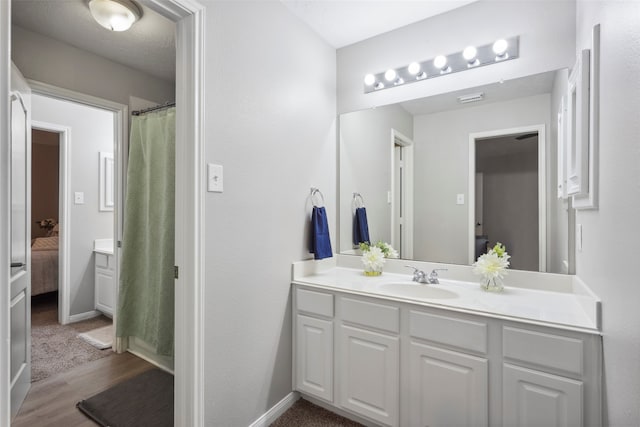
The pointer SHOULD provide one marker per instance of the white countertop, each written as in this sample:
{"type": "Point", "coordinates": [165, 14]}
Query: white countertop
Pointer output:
{"type": "Point", "coordinates": [564, 309]}
{"type": "Point", "coordinates": [103, 246]}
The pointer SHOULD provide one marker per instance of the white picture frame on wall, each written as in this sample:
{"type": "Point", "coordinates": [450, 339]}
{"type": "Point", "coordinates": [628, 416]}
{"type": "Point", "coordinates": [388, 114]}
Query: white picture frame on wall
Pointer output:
{"type": "Point", "coordinates": [106, 170]}
{"type": "Point", "coordinates": [578, 127]}
{"type": "Point", "coordinates": [589, 199]}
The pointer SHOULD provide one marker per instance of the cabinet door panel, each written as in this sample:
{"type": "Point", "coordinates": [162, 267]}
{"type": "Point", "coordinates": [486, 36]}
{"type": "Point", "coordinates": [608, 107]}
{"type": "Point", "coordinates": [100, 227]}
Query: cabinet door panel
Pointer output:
{"type": "Point", "coordinates": [369, 374]}
{"type": "Point", "coordinates": [314, 357]}
{"type": "Point", "coordinates": [532, 398]}
{"type": "Point", "coordinates": [447, 388]}
{"type": "Point", "coordinates": [105, 291]}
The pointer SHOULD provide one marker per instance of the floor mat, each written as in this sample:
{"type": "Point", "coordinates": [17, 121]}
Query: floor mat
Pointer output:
{"type": "Point", "coordinates": [100, 338]}
{"type": "Point", "coordinates": [141, 401]}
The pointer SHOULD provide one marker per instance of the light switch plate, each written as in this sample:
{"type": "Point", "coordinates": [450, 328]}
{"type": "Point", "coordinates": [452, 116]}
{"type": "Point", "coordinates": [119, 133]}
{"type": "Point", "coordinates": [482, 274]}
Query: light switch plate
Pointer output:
{"type": "Point", "coordinates": [78, 198]}
{"type": "Point", "coordinates": [460, 199]}
{"type": "Point", "coordinates": [215, 178]}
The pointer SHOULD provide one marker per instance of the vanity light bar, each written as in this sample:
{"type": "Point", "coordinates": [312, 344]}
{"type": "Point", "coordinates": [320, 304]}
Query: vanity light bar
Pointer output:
{"type": "Point", "coordinates": [471, 57]}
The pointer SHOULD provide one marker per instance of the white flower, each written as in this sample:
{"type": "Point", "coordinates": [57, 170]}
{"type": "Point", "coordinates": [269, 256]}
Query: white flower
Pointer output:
{"type": "Point", "coordinates": [373, 258]}
{"type": "Point", "coordinates": [491, 265]}
{"type": "Point", "coordinates": [392, 253]}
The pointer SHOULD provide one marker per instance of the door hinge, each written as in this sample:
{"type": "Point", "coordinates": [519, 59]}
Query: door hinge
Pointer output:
{"type": "Point", "coordinates": [119, 243]}
{"type": "Point", "coordinates": [175, 272]}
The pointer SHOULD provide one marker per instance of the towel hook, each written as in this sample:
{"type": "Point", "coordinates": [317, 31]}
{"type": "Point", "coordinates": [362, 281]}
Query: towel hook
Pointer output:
{"type": "Point", "coordinates": [358, 197]}
{"type": "Point", "coordinates": [315, 191]}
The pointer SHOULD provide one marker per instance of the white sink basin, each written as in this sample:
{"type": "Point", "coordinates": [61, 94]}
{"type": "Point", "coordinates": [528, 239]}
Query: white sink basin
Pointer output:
{"type": "Point", "coordinates": [416, 290]}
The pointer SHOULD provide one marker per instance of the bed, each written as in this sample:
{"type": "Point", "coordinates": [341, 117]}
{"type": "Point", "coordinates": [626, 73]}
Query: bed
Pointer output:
{"type": "Point", "coordinates": [44, 265]}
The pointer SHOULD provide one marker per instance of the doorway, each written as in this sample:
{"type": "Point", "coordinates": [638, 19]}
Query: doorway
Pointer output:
{"type": "Point", "coordinates": [401, 197]}
{"type": "Point", "coordinates": [507, 200]}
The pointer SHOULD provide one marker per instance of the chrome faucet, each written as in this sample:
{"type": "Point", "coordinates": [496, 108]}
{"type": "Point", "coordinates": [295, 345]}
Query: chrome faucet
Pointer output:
{"type": "Point", "coordinates": [421, 277]}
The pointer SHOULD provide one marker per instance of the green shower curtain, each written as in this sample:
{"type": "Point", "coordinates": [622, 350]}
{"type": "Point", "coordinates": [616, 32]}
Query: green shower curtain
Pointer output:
{"type": "Point", "coordinates": [146, 301]}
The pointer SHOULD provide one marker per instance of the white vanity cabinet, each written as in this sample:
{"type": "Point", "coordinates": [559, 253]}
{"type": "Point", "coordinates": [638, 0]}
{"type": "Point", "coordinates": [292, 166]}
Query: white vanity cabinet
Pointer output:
{"type": "Point", "coordinates": [313, 370]}
{"type": "Point", "coordinates": [397, 363]}
{"type": "Point", "coordinates": [105, 284]}
{"type": "Point", "coordinates": [448, 371]}
{"type": "Point", "coordinates": [368, 357]}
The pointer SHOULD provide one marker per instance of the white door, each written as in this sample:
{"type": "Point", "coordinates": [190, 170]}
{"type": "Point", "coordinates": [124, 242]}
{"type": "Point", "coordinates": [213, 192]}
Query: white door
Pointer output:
{"type": "Point", "coordinates": [20, 279]}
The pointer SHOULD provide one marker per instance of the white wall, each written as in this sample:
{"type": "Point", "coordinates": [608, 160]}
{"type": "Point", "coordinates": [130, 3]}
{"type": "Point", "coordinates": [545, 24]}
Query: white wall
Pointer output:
{"type": "Point", "coordinates": [92, 131]}
{"type": "Point", "coordinates": [547, 42]}
{"type": "Point", "coordinates": [441, 161]}
{"type": "Point", "coordinates": [608, 262]}
{"type": "Point", "coordinates": [270, 106]}
{"type": "Point", "coordinates": [365, 167]}
{"type": "Point", "coordinates": [50, 61]}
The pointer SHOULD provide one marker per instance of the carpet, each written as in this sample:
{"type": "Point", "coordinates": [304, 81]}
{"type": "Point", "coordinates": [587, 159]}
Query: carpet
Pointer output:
{"type": "Point", "coordinates": [305, 414]}
{"type": "Point", "coordinates": [100, 338]}
{"type": "Point", "coordinates": [145, 400]}
{"type": "Point", "coordinates": [56, 348]}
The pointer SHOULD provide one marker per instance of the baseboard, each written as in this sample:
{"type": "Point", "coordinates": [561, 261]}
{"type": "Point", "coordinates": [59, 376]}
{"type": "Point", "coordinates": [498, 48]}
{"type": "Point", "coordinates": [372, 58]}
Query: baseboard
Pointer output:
{"type": "Point", "coordinates": [141, 349]}
{"type": "Point", "coordinates": [278, 409]}
{"type": "Point", "coordinates": [84, 316]}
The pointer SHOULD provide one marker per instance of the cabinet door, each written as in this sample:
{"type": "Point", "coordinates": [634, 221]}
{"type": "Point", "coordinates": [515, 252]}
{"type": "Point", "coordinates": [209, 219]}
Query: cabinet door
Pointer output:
{"type": "Point", "coordinates": [314, 357]}
{"type": "Point", "coordinates": [533, 398]}
{"type": "Point", "coordinates": [447, 388]}
{"type": "Point", "coordinates": [369, 374]}
{"type": "Point", "coordinates": [105, 291]}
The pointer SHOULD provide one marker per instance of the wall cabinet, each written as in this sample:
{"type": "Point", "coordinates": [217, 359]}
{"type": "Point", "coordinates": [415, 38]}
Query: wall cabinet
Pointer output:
{"type": "Point", "coordinates": [392, 363]}
{"type": "Point", "coordinates": [105, 283]}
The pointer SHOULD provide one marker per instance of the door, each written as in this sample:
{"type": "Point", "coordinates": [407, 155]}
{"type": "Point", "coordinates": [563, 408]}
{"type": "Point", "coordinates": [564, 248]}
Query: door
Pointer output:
{"type": "Point", "coordinates": [447, 388]}
{"type": "Point", "coordinates": [20, 276]}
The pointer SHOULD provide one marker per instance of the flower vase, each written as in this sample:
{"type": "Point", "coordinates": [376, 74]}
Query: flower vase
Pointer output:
{"type": "Point", "coordinates": [372, 271]}
{"type": "Point", "coordinates": [492, 285]}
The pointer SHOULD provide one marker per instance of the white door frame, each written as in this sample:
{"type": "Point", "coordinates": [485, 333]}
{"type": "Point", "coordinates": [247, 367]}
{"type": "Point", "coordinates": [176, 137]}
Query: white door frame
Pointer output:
{"type": "Point", "coordinates": [397, 138]}
{"type": "Point", "coordinates": [189, 386]}
{"type": "Point", "coordinates": [64, 260]}
{"type": "Point", "coordinates": [542, 187]}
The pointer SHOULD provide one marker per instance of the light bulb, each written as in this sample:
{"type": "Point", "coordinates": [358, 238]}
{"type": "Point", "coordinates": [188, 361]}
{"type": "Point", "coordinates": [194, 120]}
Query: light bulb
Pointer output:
{"type": "Point", "coordinates": [440, 62]}
{"type": "Point", "coordinates": [369, 79]}
{"type": "Point", "coordinates": [469, 53]}
{"type": "Point", "coordinates": [500, 47]}
{"type": "Point", "coordinates": [413, 68]}
{"type": "Point", "coordinates": [390, 75]}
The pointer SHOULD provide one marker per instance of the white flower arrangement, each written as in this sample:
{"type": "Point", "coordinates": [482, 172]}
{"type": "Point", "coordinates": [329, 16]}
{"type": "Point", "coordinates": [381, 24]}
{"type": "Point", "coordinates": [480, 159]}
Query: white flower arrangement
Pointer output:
{"type": "Point", "coordinates": [374, 257]}
{"type": "Point", "coordinates": [492, 266]}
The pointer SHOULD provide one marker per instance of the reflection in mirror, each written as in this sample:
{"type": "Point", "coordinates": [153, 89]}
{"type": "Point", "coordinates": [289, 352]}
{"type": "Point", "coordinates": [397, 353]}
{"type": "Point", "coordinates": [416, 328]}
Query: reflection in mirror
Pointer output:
{"type": "Point", "coordinates": [429, 170]}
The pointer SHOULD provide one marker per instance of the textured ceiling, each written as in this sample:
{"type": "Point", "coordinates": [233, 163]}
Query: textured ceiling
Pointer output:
{"type": "Point", "coordinates": [345, 22]}
{"type": "Point", "coordinates": [148, 46]}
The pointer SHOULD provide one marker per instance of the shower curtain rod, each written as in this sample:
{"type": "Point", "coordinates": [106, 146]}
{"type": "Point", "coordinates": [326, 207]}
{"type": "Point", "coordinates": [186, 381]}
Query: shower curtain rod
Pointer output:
{"type": "Point", "coordinates": [157, 107]}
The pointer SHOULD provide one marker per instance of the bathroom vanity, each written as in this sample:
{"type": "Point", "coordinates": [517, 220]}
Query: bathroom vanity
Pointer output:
{"type": "Point", "coordinates": [105, 285]}
{"type": "Point", "coordinates": [397, 353]}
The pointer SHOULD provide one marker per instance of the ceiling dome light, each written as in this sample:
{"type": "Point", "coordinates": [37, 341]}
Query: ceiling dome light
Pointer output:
{"type": "Point", "coordinates": [500, 47]}
{"type": "Point", "coordinates": [413, 68]}
{"type": "Point", "coordinates": [369, 79]}
{"type": "Point", "coordinates": [390, 75]}
{"type": "Point", "coordinates": [115, 15]}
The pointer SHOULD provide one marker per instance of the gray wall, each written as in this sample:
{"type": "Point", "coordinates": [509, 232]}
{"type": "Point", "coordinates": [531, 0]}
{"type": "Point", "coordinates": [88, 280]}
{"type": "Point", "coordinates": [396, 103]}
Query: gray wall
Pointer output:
{"type": "Point", "coordinates": [50, 61]}
{"type": "Point", "coordinates": [365, 167]}
{"type": "Point", "coordinates": [442, 151]}
{"type": "Point", "coordinates": [91, 131]}
{"type": "Point", "coordinates": [608, 262]}
{"type": "Point", "coordinates": [271, 121]}
{"type": "Point", "coordinates": [547, 42]}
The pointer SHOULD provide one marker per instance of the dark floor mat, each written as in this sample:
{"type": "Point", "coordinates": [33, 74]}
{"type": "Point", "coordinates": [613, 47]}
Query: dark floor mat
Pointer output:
{"type": "Point", "coordinates": [141, 401]}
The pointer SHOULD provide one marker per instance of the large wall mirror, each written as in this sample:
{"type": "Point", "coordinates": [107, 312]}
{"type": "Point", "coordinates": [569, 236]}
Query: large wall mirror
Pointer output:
{"type": "Point", "coordinates": [444, 177]}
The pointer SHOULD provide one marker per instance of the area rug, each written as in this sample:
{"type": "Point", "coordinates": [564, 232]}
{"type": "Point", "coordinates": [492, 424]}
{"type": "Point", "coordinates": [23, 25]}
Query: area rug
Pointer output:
{"type": "Point", "coordinates": [145, 400]}
{"type": "Point", "coordinates": [56, 348]}
{"type": "Point", "coordinates": [100, 338]}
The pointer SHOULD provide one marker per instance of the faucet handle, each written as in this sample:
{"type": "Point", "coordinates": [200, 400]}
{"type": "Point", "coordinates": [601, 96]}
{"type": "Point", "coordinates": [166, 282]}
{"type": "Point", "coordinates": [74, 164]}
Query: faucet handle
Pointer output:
{"type": "Point", "coordinates": [415, 270]}
{"type": "Point", "coordinates": [418, 275]}
{"type": "Point", "coordinates": [433, 276]}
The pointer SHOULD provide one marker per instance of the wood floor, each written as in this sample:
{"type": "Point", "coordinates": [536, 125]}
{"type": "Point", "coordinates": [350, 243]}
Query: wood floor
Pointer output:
{"type": "Point", "coordinates": [52, 401]}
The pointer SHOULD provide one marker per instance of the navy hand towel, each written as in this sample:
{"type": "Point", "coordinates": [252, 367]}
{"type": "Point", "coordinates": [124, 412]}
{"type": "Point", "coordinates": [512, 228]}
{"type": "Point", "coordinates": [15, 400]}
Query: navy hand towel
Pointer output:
{"type": "Point", "coordinates": [360, 227]}
{"type": "Point", "coordinates": [320, 241]}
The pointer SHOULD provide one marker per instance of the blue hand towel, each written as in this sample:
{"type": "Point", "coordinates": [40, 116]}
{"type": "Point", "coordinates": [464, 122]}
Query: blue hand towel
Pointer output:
{"type": "Point", "coordinates": [320, 241]}
{"type": "Point", "coordinates": [360, 227]}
